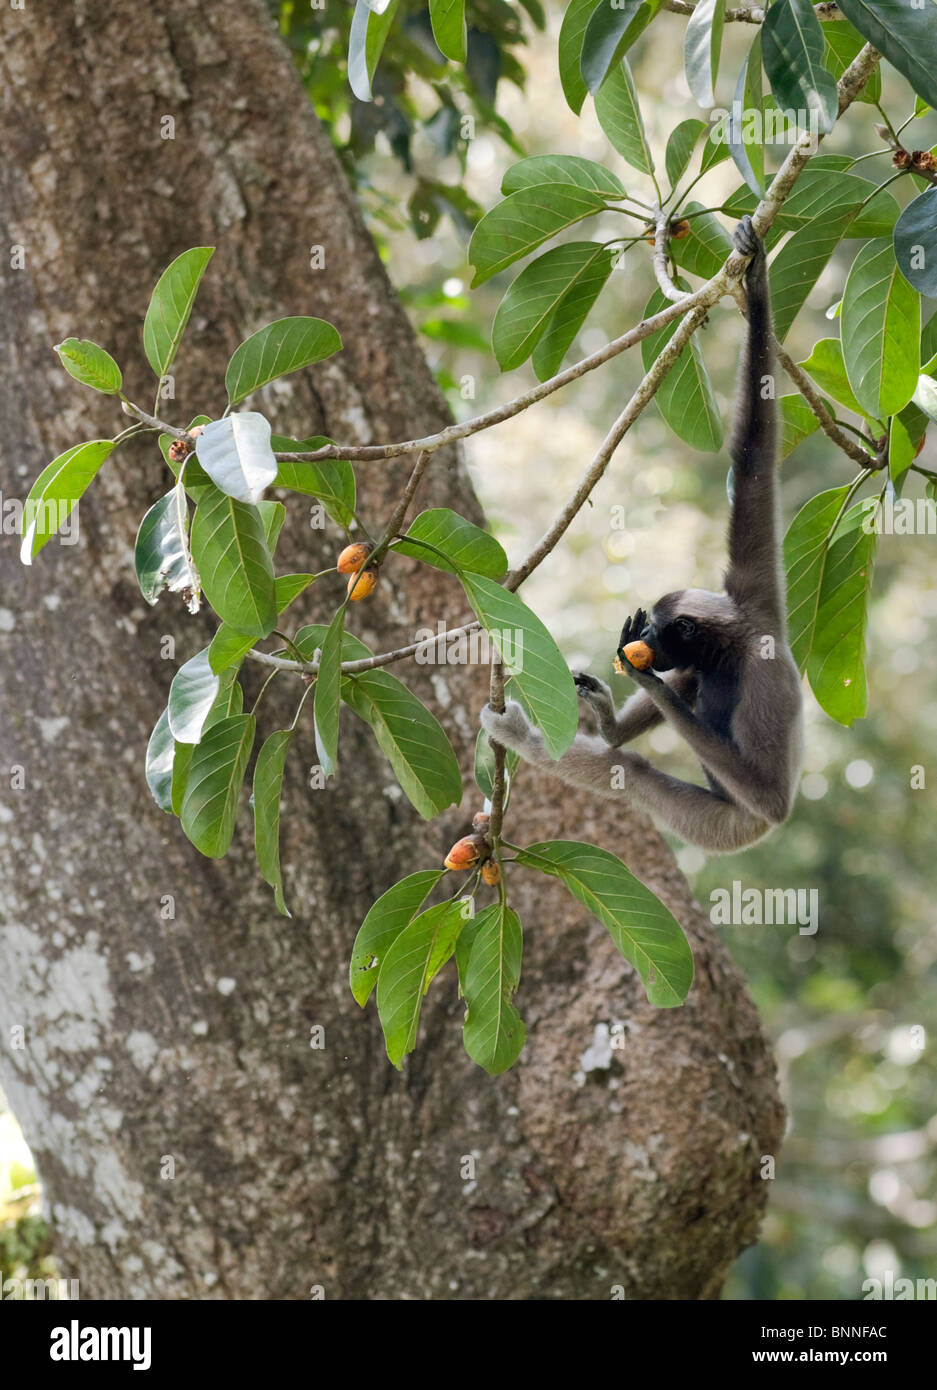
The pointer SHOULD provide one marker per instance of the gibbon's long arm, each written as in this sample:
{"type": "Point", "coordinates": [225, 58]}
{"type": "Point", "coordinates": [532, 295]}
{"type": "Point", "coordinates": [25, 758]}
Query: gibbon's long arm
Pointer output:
{"type": "Point", "coordinates": [733, 697]}
{"type": "Point", "coordinates": [638, 714]}
{"type": "Point", "coordinates": [753, 578]}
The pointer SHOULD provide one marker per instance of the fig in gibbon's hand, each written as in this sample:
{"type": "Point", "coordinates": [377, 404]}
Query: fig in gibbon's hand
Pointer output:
{"type": "Point", "coordinates": [353, 557]}
{"type": "Point", "coordinates": [640, 656]}
{"type": "Point", "coordinates": [361, 583]}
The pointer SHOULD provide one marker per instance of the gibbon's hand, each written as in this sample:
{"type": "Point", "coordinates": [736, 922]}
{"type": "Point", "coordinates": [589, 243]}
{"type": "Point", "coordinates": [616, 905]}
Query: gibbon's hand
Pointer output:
{"type": "Point", "coordinates": [631, 632]}
{"type": "Point", "coordinates": [592, 690]}
{"type": "Point", "coordinates": [746, 240]}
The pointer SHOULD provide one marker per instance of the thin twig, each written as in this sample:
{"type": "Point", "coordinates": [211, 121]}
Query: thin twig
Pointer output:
{"type": "Point", "coordinates": [496, 700]}
{"type": "Point", "coordinates": [817, 404]}
{"type": "Point", "coordinates": [400, 511]}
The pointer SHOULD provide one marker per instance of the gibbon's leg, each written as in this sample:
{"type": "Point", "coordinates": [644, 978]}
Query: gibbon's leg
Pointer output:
{"type": "Point", "coordinates": [697, 815]}
{"type": "Point", "coordinates": [694, 813]}
{"type": "Point", "coordinates": [638, 713]}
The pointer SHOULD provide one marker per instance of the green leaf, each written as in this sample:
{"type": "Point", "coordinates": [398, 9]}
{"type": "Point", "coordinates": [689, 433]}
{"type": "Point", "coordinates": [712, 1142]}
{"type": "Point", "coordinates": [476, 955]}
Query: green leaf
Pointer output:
{"type": "Point", "coordinates": [530, 654]}
{"type": "Point", "coordinates": [216, 775]}
{"type": "Point", "coordinates": [57, 490]}
{"type": "Point", "coordinates": [493, 1031]}
{"type": "Point", "coordinates": [464, 545]}
{"type": "Point", "coordinates": [610, 32]}
{"type": "Point", "coordinates": [331, 481]}
{"type": "Point", "coordinates": [825, 364]}
{"type": "Point", "coordinates": [523, 221]}
{"type": "Point", "coordinates": [793, 47]}
{"type": "Point", "coordinates": [272, 517]}
{"type": "Point", "coordinates": [408, 967]}
{"type": "Point", "coordinates": [570, 314]}
{"type": "Point", "coordinates": [191, 697]}
{"type": "Point", "coordinates": [393, 911]}
{"type": "Point", "coordinates": [702, 48]}
{"type": "Point", "coordinates": [648, 936]}
{"type": "Point", "coordinates": [843, 44]}
{"type": "Point", "coordinates": [228, 645]}
{"type": "Point", "coordinates": [706, 249]}
{"type": "Point", "coordinates": [562, 168]}
{"type": "Point", "coordinates": [161, 553]}
{"type": "Point", "coordinates": [282, 347]}
{"type": "Point", "coordinates": [182, 761]}
{"type": "Point", "coordinates": [836, 665]}
{"type": "Point", "coordinates": [170, 306]}
{"type": "Point", "coordinates": [799, 264]}
{"type": "Point", "coordinates": [365, 44]}
{"type": "Point", "coordinates": [822, 190]}
{"type": "Point", "coordinates": [448, 20]}
{"type": "Point", "coordinates": [90, 365]}
{"type": "Point", "coordinates": [159, 759]}
{"type": "Point", "coordinates": [231, 555]}
{"type": "Point", "coordinates": [798, 422]}
{"type": "Point", "coordinates": [904, 34]}
{"type": "Point", "coordinates": [925, 396]}
{"type": "Point", "coordinates": [409, 737]}
{"type": "Point", "coordinates": [805, 560]}
{"type": "Point", "coordinates": [485, 763]}
{"type": "Point", "coordinates": [916, 243]}
{"type": "Point", "coordinates": [680, 147]}
{"type": "Point", "coordinates": [748, 154]}
{"type": "Point", "coordinates": [881, 331]}
{"type": "Point", "coordinates": [616, 105]}
{"type": "Point", "coordinates": [572, 33]}
{"type": "Point", "coordinates": [268, 783]}
{"type": "Point", "coordinates": [525, 311]}
{"type": "Point", "coordinates": [901, 450]}
{"type": "Point", "coordinates": [328, 695]}
{"type": "Point", "coordinates": [685, 397]}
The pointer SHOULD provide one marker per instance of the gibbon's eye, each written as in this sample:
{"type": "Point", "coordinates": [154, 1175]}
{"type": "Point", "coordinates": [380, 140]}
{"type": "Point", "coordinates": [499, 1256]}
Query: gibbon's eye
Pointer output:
{"type": "Point", "coordinates": [685, 626]}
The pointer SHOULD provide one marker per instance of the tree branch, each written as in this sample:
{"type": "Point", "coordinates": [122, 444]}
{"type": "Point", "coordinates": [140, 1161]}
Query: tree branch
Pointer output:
{"type": "Point", "coordinates": [825, 11]}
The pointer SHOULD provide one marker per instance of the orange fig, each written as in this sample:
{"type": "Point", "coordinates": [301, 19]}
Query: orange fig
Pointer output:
{"type": "Point", "coordinates": [353, 557]}
{"type": "Point", "coordinates": [640, 656]}
{"type": "Point", "coordinates": [491, 873]}
{"type": "Point", "coordinates": [465, 852]}
{"type": "Point", "coordinates": [361, 583]}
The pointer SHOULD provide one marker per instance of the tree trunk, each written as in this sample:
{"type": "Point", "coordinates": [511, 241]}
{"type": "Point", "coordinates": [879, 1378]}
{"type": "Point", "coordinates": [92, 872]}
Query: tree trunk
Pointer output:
{"type": "Point", "coordinates": [165, 1007]}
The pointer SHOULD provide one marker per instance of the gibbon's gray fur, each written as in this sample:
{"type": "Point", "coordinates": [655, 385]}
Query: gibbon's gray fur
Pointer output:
{"type": "Point", "coordinates": [733, 695]}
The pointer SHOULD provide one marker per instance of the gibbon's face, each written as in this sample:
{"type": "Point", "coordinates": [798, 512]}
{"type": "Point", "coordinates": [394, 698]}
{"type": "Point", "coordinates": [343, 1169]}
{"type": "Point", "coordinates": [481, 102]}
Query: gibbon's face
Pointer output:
{"type": "Point", "coordinates": [689, 628]}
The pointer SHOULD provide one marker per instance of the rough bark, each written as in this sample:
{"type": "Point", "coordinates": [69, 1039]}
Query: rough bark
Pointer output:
{"type": "Point", "coordinates": [190, 1036]}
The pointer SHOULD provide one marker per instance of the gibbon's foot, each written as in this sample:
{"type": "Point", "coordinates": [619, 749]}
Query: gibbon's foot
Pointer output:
{"type": "Point", "coordinates": [509, 729]}
{"type": "Point", "coordinates": [631, 632]}
{"type": "Point", "coordinates": [590, 688]}
{"type": "Point", "coordinates": [745, 239]}
{"type": "Point", "coordinates": [594, 693]}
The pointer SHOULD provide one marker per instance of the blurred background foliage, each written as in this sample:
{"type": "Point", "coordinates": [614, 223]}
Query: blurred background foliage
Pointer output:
{"type": "Point", "coordinates": [852, 1009]}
